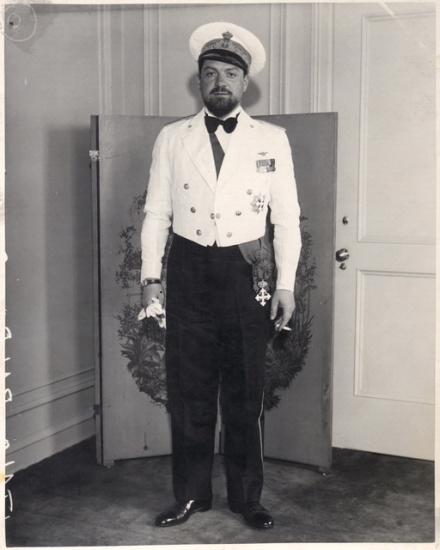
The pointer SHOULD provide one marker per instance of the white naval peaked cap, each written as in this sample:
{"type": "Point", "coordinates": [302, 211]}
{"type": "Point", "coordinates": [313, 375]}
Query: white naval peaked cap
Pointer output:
{"type": "Point", "coordinates": [230, 43]}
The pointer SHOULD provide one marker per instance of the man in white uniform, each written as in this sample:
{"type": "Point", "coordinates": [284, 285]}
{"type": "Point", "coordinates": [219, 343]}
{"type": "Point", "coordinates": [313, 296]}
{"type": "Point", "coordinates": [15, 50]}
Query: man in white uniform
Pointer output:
{"type": "Point", "coordinates": [213, 178]}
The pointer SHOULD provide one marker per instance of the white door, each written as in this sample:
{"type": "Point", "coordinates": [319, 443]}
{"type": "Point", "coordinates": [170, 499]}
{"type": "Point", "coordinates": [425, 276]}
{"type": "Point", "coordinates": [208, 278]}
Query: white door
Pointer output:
{"type": "Point", "coordinates": [384, 93]}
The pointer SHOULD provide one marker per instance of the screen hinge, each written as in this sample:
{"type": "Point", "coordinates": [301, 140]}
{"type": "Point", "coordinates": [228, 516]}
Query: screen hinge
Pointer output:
{"type": "Point", "coordinates": [94, 155]}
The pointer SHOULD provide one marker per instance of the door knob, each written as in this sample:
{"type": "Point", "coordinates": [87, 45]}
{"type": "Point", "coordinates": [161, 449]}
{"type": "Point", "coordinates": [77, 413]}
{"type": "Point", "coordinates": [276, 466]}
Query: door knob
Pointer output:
{"type": "Point", "coordinates": [342, 255]}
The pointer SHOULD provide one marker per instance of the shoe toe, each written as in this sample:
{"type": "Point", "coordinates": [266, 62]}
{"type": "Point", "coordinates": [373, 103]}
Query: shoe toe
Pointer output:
{"type": "Point", "coordinates": [181, 513]}
{"type": "Point", "coordinates": [257, 517]}
{"type": "Point", "coordinates": [165, 519]}
{"type": "Point", "coordinates": [264, 520]}
{"type": "Point", "coordinates": [260, 520]}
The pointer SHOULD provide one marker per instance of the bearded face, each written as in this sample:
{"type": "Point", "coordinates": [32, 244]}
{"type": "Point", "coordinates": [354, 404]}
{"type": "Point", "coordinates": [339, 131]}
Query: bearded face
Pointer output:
{"type": "Point", "coordinates": [222, 86]}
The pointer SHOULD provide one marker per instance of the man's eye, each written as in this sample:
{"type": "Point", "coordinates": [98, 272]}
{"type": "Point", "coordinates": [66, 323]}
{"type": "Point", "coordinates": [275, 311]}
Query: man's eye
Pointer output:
{"type": "Point", "coordinates": [209, 74]}
{"type": "Point", "coordinates": [232, 75]}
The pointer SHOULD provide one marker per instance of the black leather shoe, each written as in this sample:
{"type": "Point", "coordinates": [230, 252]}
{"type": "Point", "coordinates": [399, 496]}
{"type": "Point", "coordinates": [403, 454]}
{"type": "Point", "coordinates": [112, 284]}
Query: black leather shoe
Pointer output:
{"type": "Point", "coordinates": [181, 512]}
{"type": "Point", "coordinates": [254, 514]}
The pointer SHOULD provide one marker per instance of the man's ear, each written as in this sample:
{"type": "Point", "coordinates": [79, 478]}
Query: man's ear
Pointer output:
{"type": "Point", "coordinates": [246, 82]}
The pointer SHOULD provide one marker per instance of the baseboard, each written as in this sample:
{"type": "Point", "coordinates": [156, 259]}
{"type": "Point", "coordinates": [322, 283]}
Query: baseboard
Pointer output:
{"type": "Point", "coordinates": [44, 420]}
{"type": "Point", "coordinates": [49, 441]}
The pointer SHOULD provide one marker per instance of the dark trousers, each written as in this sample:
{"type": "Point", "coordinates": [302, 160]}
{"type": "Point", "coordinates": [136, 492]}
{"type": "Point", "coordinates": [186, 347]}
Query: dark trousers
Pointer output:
{"type": "Point", "coordinates": [216, 338]}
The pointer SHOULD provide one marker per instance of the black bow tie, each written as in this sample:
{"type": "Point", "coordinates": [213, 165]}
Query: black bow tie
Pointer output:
{"type": "Point", "coordinates": [212, 123]}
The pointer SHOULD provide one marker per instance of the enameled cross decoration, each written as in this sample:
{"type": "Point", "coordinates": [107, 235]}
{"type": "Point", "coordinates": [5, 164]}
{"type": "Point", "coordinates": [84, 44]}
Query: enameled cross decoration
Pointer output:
{"type": "Point", "coordinates": [263, 296]}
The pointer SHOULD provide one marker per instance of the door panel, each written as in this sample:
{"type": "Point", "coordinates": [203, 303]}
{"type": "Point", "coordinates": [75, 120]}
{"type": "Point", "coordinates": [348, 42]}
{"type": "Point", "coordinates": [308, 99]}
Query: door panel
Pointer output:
{"type": "Point", "coordinates": [133, 420]}
{"type": "Point", "coordinates": [384, 92]}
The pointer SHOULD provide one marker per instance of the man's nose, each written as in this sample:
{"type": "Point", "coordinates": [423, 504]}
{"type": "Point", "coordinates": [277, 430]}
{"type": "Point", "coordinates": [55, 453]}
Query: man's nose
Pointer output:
{"type": "Point", "coordinates": [220, 81]}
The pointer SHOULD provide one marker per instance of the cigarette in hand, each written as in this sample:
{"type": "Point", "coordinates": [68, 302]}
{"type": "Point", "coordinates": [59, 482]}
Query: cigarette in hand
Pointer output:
{"type": "Point", "coordinates": [277, 326]}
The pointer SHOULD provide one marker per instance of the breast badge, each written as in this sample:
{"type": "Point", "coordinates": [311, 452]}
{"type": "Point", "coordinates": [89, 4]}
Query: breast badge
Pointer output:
{"type": "Point", "coordinates": [265, 165]}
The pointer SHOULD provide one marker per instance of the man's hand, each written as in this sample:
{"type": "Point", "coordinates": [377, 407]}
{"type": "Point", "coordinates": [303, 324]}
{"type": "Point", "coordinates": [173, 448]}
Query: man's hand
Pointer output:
{"type": "Point", "coordinates": [151, 291]}
{"type": "Point", "coordinates": [285, 300]}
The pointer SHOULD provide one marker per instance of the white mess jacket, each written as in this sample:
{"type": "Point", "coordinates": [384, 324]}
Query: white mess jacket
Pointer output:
{"type": "Point", "coordinates": [184, 191]}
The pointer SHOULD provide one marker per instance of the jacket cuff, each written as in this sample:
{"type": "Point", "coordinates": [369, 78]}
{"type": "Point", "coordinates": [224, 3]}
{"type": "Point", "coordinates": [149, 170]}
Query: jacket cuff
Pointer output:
{"type": "Point", "coordinates": [284, 283]}
{"type": "Point", "coordinates": [283, 287]}
{"type": "Point", "coordinates": [152, 272]}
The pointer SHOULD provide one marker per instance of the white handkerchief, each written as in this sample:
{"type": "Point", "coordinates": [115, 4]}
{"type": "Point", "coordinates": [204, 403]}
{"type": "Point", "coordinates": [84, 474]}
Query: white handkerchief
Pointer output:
{"type": "Point", "coordinates": [155, 310]}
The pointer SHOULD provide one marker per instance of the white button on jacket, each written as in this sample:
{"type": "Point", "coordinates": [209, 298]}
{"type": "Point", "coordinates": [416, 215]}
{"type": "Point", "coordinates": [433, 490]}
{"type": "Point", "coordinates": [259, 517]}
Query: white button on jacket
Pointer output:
{"type": "Point", "coordinates": [183, 190]}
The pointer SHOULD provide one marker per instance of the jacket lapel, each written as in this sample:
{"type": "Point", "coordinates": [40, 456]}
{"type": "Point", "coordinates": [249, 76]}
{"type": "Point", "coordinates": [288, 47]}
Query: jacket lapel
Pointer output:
{"type": "Point", "coordinates": [239, 146]}
{"type": "Point", "coordinates": [196, 142]}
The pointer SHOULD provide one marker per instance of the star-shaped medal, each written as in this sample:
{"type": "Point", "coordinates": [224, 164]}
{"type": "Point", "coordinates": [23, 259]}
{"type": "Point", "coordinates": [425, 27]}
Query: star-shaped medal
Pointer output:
{"type": "Point", "coordinates": [258, 203]}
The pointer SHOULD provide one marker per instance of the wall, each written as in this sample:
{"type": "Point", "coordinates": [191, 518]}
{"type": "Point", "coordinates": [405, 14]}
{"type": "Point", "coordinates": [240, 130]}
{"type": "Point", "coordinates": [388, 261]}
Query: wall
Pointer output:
{"type": "Point", "coordinates": [284, 86]}
{"type": "Point", "coordinates": [50, 92]}
{"type": "Point", "coordinates": [84, 60]}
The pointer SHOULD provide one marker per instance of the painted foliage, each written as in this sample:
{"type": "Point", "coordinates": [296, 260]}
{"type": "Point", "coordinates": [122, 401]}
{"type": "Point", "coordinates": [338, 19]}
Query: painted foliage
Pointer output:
{"type": "Point", "coordinates": [143, 343]}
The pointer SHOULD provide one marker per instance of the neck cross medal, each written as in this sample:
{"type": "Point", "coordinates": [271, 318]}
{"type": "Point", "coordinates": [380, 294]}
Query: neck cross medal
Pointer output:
{"type": "Point", "coordinates": [263, 296]}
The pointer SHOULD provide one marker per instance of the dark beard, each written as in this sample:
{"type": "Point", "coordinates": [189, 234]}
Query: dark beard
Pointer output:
{"type": "Point", "coordinates": [220, 106]}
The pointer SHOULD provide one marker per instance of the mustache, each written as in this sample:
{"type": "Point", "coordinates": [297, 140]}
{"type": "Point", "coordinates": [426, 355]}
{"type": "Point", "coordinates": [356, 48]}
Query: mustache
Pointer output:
{"type": "Point", "coordinates": [220, 89]}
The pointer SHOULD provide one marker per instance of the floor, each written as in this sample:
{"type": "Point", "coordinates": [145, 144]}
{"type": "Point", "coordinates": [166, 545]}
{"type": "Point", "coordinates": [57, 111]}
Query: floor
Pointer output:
{"type": "Point", "coordinates": [69, 500]}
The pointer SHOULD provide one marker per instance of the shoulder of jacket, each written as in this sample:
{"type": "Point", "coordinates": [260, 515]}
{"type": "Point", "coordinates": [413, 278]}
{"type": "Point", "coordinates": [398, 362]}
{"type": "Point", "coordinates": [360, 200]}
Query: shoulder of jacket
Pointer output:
{"type": "Point", "coordinates": [177, 124]}
{"type": "Point", "coordinates": [270, 126]}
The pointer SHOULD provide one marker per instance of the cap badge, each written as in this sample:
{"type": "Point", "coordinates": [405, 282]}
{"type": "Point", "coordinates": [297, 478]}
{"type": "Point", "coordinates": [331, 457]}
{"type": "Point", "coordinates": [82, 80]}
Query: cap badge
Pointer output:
{"type": "Point", "coordinates": [226, 38]}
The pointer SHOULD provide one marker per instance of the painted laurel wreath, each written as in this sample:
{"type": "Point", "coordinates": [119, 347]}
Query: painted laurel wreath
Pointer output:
{"type": "Point", "coordinates": [143, 343]}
